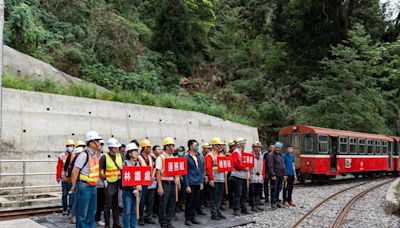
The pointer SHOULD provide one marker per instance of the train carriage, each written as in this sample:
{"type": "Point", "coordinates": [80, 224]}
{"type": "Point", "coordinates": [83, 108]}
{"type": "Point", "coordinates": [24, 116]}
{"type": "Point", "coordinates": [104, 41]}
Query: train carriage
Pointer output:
{"type": "Point", "coordinates": [323, 153]}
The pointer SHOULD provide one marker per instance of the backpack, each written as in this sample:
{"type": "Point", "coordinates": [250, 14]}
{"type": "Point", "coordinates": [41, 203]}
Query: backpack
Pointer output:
{"type": "Point", "coordinates": [71, 166]}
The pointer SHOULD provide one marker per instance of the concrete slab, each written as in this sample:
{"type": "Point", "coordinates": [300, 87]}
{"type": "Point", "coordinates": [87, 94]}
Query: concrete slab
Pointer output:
{"type": "Point", "coordinates": [20, 223]}
{"type": "Point", "coordinates": [57, 220]}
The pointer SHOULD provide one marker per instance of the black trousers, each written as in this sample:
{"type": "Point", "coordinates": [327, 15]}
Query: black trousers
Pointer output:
{"type": "Point", "coordinates": [192, 202]}
{"type": "Point", "coordinates": [240, 194]}
{"type": "Point", "coordinates": [146, 204]}
{"type": "Point", "coordinates": [255, 192]}
{"type": "Point", "coordinates": [167, 203]}
{"type": "Point", "coordinates": [276, 188]}
{"type": "Point", "coordinates": [266, 188]}
{"type": "Point", "coordinates": [288, 189]}
{"type": "Point", "coordinates": [231, 187]}
{"type": "Point", "coordinates": [216, 195]}
{"type": "Point", "coordinates": [100, 204]}
{"type": "Point", "coordinates": [111, 203]}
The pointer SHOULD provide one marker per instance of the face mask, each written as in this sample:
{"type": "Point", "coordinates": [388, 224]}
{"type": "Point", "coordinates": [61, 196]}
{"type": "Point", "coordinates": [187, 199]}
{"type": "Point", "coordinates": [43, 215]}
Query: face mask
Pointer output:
{"type": "Point", "coordinates": [290, 150]}
{"type": "Point", "coordinates": [70, 149]}
{"type": "Point", "coordinates": [197, 149]}
{"type": "Point", "coordinates": [181, 153]}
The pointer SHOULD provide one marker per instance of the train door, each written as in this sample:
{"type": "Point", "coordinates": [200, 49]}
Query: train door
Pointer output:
{"type": "Point", "coordinates": [390, 153]}
{"type": "Point", "coordinates": [296, 145]}
{"type": "Point", "coordinates": [333, 153]}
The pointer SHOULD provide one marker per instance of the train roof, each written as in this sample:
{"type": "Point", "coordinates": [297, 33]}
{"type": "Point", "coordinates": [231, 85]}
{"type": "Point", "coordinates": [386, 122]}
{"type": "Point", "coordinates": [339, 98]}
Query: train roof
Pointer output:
{"type": "Point", "coordinates": [332, 132]}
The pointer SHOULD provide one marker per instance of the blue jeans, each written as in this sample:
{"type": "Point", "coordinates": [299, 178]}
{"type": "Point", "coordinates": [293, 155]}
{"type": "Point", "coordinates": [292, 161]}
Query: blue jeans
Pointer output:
{"type": "Point", "coordinates": [129, 212]}
{"type": "Point", "coordinates": [65, 188]}
{"type": "Point", "coordinates": [85, 205]}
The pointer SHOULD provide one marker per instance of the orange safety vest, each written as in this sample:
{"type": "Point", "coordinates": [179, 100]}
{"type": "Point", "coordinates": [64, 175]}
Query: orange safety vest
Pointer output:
{"type": "Point", "coordinates": [65, 157]}
{"type": "Point", "coordinates": [93, 176]}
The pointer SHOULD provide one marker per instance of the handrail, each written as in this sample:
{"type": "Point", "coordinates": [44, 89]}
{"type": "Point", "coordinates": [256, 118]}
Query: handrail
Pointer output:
{"type": "Point", "coordinates": [24, 174]}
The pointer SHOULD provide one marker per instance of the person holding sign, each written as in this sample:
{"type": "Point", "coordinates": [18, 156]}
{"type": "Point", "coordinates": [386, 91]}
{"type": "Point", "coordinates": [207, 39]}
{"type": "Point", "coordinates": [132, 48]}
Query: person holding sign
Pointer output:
{"type": "Point", "coordinates": [277, 173]}
{"type": "Point", "coordinates": [239, 176]}
{"type": "Point", "coordinates": [147, 197]}
{"type": "Point", "coordinates": [216, 179]}
{"type": "Point", "coordinates": [193, 182]}
{"type": "Point", "coordinates": [166, 185]}
{"type": "Point", "coordinates": [257, 174]}
{"type": "Point", "coordinates": [131, 194]}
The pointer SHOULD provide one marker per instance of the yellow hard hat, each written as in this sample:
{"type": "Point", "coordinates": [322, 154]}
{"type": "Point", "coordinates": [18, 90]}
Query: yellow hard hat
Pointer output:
{"type": "Point", "coordinates": [231, 142]}
{"type": "Point", "coordinates": [206, 145]}
{"type": "Point", "coordinates": [257, 143]}
{"type": "Point", "coordinates": [80, 143]}
{"type": "Point", "coordinates": [168, 141]}
{"type": "Point", "coordinates": [240, 141]}
{"type": "Point", "coordinates": [144, 143]}
{"type": "Point", "coordinates": [216, 141]}
{"type": "Point", "coordinates": [69, 142]}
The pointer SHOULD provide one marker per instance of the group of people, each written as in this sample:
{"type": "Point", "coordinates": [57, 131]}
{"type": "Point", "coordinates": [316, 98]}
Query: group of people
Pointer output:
{"type": "Point", "coordinates": [91, 181]}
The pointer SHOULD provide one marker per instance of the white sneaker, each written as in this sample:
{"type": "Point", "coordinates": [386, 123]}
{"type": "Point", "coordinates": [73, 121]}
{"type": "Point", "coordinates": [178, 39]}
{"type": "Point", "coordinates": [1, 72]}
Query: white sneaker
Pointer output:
{"type": "Point", "coordinates": [101, 223]}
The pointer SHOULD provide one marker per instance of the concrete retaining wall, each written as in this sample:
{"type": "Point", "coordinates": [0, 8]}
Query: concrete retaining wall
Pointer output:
{"type": "Point", "coordinates": [392, 200]}
{"type": "Point", "coordinates": [36, 125]}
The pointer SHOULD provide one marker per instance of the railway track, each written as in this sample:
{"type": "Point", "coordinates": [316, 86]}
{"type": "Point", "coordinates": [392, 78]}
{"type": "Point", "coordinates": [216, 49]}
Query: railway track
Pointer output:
{"type": "Point", "coordinates": [27, 212]}
{"type": "Point", "coordinates": [343, 213]}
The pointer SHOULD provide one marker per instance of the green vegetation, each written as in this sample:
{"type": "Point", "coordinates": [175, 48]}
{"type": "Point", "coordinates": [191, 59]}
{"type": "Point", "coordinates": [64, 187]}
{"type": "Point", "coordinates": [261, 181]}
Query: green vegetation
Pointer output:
{"type": "Point", "coordinates": [198, 102]}
{"type": "Point", "coordinates": [328, 63]}
{"type": "Point", "coordinates": [397, 190]}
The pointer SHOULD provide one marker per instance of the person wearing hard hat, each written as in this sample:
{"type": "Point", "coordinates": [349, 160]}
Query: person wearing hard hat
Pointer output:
{"type": "Point", "coordinates": [166, 185]}
{"type": "Point", "coordinates": [130, 194]}
{"type": "Point", "coordinates": [193, 182]}
{"type": "Point", "coordinates": [231, 183]}
{"type": "Point", "coordinates": [257, 177]}
{"type": "Point", "coordinates": [147, 198]}
{"type": "Point", "coordinates": [110, 169]}
{"type": "Point", "coordinates": [217, 179]}
{"type": "Point", "coordinates": [239, 176]}
{"type": "Point", "coordinates": [85, 176]}
{"type": "Point", "coordinates": [277, 173]}
{"type": "Point", "coordinates": [64, 159]}
{"type": "Point", "coordinates": [79, 147]}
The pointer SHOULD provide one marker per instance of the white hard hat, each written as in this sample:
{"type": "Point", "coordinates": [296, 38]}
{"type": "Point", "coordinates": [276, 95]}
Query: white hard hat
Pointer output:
{"type": "Point", "coordinates": [112, 142]}
{"type": "Point", "coordinates": [131, 146]}
{"type": "Point", "coordinates": [92, 135]}
{"type": "Point", "coordinates": [77, 150]}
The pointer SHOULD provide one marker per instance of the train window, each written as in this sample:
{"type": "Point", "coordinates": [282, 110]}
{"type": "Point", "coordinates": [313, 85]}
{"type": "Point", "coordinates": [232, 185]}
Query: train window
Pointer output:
{"type": "Point", "coordinates": [361, 146]}
{"type": "Point", "coordinates": [296, 141]}
{"type": "Point", "coordinates": [378, 148]}
{"type": "Point", "coordinates": [371, 146]}
{"type": "Point", "coordinates": [343, 146]}
{"type": "Point", "coordinates": [323, 143]}
{"type": "Point", "coordinates": [384, 147]}
{"type": "Point", "coordinates": [353, 146]}
{"type": "Point", "coordinates": [309, 143]}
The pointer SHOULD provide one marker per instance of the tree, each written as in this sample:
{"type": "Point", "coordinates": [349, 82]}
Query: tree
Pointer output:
{"type": "Point", "coordinates": [347, 95]}
{"type": "Point", "coordinates": [173, 33]}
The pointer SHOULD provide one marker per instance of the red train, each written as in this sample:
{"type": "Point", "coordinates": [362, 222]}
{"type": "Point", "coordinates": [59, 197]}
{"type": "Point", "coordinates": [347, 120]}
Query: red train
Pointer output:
{"type": "Point", "coordinates": [322, 153]}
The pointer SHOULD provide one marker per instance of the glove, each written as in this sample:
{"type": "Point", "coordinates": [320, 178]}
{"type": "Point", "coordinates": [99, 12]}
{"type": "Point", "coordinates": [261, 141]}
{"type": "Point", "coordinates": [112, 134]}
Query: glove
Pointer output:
{"type": "Point", "coordinates": [105, 184]}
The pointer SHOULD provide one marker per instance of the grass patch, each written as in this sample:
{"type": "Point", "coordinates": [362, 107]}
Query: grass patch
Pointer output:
{"type": "Point", "coordinates": [197, 102]}
{"type": "Point", "coordinates": [397, 190]}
